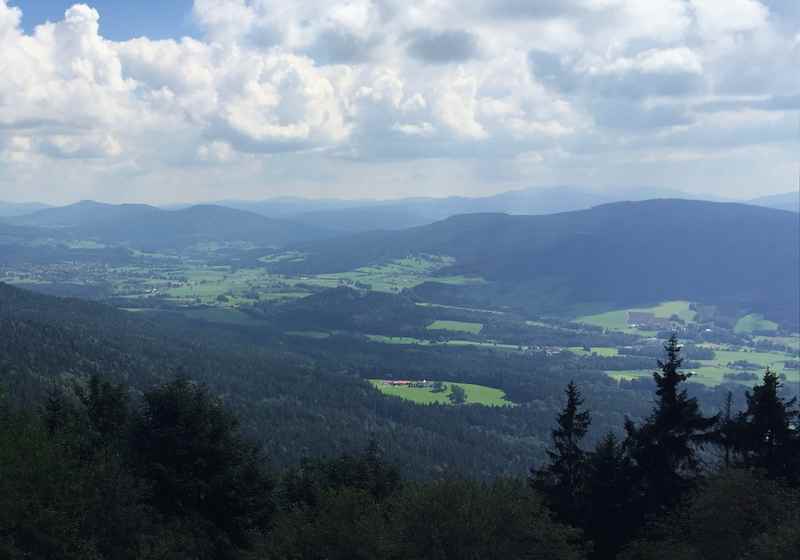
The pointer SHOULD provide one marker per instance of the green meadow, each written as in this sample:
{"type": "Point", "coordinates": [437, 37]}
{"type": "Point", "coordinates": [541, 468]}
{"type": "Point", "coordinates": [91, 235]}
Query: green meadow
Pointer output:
{"type": "Point", "coordinates": [712, 372]}
{"type": "Point", "coordinates": [754, 322]}
{"type": "Point", "coordinates": [476, 394]}
{"type": "Point", "coordinates": [456, 326]}
{"type": "Point", "coordinates": [603, 351]}
{"type": "Point", "coordinates": [618, 319]}
{"type": "Point", "coordinates": [460, 308]}
{"type": "Point", "coordinates": [398, 339]}
{"type": "Point", "coordinates": [407, 340]}
{"type": "Point", "coordinates": [317, 335]}
{"type": "Point", "coordinates": [186, 281]}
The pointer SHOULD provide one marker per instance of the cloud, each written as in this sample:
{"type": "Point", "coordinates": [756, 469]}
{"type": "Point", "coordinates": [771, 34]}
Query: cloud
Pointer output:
{"type": "Point", "coordinates": [552, 71]}
{"type": "Point", "coordinates": [442, 47]}
{"type": "Point", "coordinates": [80, 147]}
{"type": "Point", "coordinates": [534, 9]}
{"type": "Point", "coordinates": [314, 94]}
{"type": "Point", "coordinates": [721, 17]}
{"type": "Point", "coordinates": [654, 72]}
{"type": "Point", "coordinates": [338, 46]}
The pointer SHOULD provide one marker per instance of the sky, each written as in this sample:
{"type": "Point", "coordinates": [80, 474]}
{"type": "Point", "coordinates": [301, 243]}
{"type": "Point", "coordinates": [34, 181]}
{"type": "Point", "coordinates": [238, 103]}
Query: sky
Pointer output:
{"type": "Point", "coordinates": [179, 101]}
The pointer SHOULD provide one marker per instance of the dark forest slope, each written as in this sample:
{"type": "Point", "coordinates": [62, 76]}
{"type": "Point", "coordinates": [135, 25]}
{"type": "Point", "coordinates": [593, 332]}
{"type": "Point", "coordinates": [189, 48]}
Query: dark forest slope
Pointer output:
{"type": "Point", "coordinates": [294, 406]}
{"type": "Point", "coordinates": [621, 253]}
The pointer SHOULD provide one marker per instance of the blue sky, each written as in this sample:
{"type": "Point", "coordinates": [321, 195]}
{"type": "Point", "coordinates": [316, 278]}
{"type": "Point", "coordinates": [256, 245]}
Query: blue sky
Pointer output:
{"type": "Point", "coordinates": [120, 19]}
{"type": "Point", "coordinates": [391, 98]}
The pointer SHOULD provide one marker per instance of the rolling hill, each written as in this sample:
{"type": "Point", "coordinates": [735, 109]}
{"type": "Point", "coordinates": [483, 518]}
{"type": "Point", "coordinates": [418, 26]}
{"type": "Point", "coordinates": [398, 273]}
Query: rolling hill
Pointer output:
{"type": "Point", "coordinates": [364, 215]}
{"type": "Point", "coordinates": [292, 404]}
{"type": "Point", "coordinates": [10, 209]}
{"type": "Point", "coordinates": [621, 253]}
{"type": "Point", "coordinates": [148, 227]}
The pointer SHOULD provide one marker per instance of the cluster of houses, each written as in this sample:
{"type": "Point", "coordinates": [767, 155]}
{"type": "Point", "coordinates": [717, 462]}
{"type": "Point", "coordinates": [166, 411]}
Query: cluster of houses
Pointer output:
{"type": "Point", "coordinates": [649, 322]}
{"type": "Point", "coordinates": [407, 383]}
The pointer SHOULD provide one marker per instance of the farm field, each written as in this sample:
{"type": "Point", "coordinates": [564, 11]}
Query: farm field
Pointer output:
{"type": "Point", "coordinates": [459, 308]}
{"type": "Point", "coordinates": [712, 372]}
{"type": "Point", "coordinates": [618, 320]}
{"type": "Point", "coordinates": [456, 326]}
{"type": "Point", "coordinates": [398, 340]}
{"type": "Point", "coordinates": [195, 280]}
{"type": "Point", "coordinates": [476, 394]}
{"type": "Point", "coordinates": [318, 335]}
{"type": "Point", "coordinates": [391, 277]}
{"type": "Point", "coordinates": [407, 340]}
{"type": "Point", "coordinates": [603, 351]}
{"type": "Point", "coordinates": [206, 286]}
{"type": "Point", "coordinates": [753, 323]}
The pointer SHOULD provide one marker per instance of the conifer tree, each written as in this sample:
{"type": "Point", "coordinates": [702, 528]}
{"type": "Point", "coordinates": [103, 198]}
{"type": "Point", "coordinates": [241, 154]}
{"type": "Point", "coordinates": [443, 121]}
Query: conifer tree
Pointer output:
{"type": "Point", "coordinates": [664, 447]}
{"type": "Point", "coordinates": [768, 434]}
{"type": "Point", "coordinates": [725, 432]}
{"type": "Point", "coordinates": [609, 516]}
{"type": "Point", "coordinates": [562, 479]}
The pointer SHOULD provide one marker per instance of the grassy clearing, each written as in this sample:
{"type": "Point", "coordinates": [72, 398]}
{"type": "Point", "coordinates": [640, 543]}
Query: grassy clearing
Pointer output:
{"type": "Point", "coordinates": [85, 244]}
{"type": "Point", "coordinates": [288, 256]}
{"type": "Point", "coordinates": [391, 277]}
{"type": "Point", "coordinates": [476, 394]}
{"type": "Point", "coordinates": [456, 326]}
{"type": "Point", "coordinates": [185, 281]}
{"type": "Point", "coordinates": [441, 306]}
{"type": "Point", "coordinates": [407, 340]}
{"type": "Point", "coordinates": [618, 320]}
{"type": "Point", "coordinates": [628, 375]}
{"type": "Point", "coordinates": [488, 344]}
{"type": "Point", "coordinates": [712, 372]}
{"type": "Point", "coordinates": [398, 340]}
{"type": "Point", "coordinates": [604, 351]}
{"type": "Point", "coordinates": [318, 335]}
{"type": "Point", "coordinates": [754, 322]}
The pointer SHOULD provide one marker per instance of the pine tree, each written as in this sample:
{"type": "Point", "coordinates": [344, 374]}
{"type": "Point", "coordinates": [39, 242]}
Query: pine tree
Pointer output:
{"type": "Point", "coordinates": [562, 479]}
{"type": "Point", "coordinates": [106, 406]}
{"type": "Point", "coordinates": [664, 447]}
{"type": "Point", "coordinates": [725, 432]}
{"type": "Point", "coordinates": [768, 434]}
{"type": "Point", "coordinates": [609, 517]}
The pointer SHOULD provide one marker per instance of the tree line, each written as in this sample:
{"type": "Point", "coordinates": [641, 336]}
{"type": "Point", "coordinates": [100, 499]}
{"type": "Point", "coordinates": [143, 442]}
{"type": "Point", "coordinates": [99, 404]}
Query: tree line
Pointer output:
{"type": "Point", "coordinates": [625, 485]}
{"type": "Point", "coordinates": [99, 471]}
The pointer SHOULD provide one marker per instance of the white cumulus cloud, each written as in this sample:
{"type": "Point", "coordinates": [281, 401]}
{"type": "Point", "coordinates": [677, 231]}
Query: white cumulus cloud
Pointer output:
{"type": "Point", "coordinates": [309, 96]}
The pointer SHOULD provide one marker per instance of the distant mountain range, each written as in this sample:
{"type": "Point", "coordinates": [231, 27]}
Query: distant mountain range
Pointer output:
{"type": "Point", "coordinates": [354, 216]}
{"type": "Point", "coordinates": [624, 253]}
{"type": "Point", "coordinates": [9, 209]}
{"type": "Point", "coordinates": [143, 226]}
{"type": "Point", "coordinates": [786, 201]}
{"type": "Point", "coordinates": [366, 215]}
{"type": "Point", "coordinates": [359, 215]}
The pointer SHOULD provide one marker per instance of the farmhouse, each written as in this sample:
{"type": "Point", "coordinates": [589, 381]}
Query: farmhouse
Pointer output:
{"type": "Point", "coordinates": [406, 383]}
{"type": "Point", "coordinates": [648, 321]}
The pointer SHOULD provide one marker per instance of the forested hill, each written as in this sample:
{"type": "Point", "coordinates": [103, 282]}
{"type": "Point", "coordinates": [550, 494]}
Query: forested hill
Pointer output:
{"type": "Point", "coordinates": [143, 226]}
{"type": "Point", "coordinates": [294, 405]}
{"type": "Point", "coordinates": [361, 215]}
{"type": "Point", "coordinates": [623, 253]}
